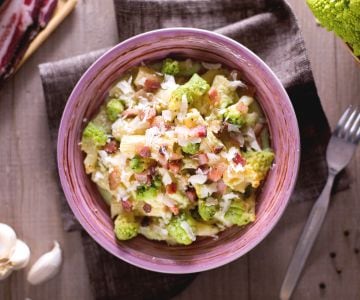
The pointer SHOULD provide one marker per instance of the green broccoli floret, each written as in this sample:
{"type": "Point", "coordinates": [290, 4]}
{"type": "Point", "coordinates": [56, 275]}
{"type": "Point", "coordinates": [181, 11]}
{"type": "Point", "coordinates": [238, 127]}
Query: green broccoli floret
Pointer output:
{"type": "Point", "coordinates": [340, 16]}
{"type": "Point", "coordinates": [191, 148]}
{"type": "Point", "coordinates": [178, 228]}
{"type": "Point", "coordinates": [146, 192]}
{"type": "Point", "coordinates": [95, 135]}
{"type": "Point", "coordinates": [259, 162]}
{"type": "Point", "coordinates": [206, 212]}
{"type": "Point", "coordinates": [193, 90]}
{"type": "Point", "coordinates": [138, 164]}
{"type": "Point", "coordinates": [170, 67]}
{"type": "Point", "coordinates": [126, 227]}
{"type": "Point", "coordinates": [113, 108]}
{"type": "Point", "coordinates": [240, 212]}
{"type": "Point", "coordinates": [227, 92]}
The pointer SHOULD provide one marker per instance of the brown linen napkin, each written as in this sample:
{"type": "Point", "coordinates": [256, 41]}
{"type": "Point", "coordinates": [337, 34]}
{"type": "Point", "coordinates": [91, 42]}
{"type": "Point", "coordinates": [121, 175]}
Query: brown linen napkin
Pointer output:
{"type": "Point", "coordinates": [268, 28]}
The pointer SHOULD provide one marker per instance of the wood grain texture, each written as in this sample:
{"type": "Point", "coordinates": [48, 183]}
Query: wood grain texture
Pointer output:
{"type": "Point", "coordinates": [29, 189]}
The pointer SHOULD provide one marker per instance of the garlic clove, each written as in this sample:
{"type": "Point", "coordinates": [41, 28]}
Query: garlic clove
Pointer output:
{"type": "Point", "coordinates": [20, 256]}
{"type": "Point", "coordinates": [7, 240]}
{"type": "Point", "coordinates": [5, 272]}
{"type": "Point", "coordinates": [46, 267]}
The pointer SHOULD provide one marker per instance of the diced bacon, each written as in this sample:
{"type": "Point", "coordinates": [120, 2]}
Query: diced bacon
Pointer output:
{"type": "Point", "coordinates": [163, 161]}
{"type": "Point", "coordinates": [175, 156]}
{"type": "Point", "coordinates": [148, 114]}
{"type": "Point", "coordinates": [191, 194]}
{"type": "Point", "coordinates": [171, 188]}
{"type": "Point", "coordinates": [221, 187]}
{"type": "Point", "coordinates": [147, 207]}
{"type": "Point", "coordinates": [203, 159]}
{"type": "Point", "coordinates": [218, 149]}
{"type": "Point", "coordinates": [127, 205]}
{"type": "Point", "coordinates": [130, 113]}
{"type": "Point", "coordinates": [111, 147]}
{"type": "Point", "coordinates": [213, 95]}
{"type": "Point", "coordinates": [152, 84]}
{"type": "Point", "coordinates": [238, 159]}
{"type": "Point", "coordinates": [174, 166]}
{"type": "Point", "coordinates": [258, 128]}
{"type": "Point", "coordinates": [199, 131]}
{"type": "Point", "coordinates": [204, 169]}
{"type": "Point", "coordinates": [174, 210]}
{"type": "Point", "coordinates": [114, 179]}
{"type": "Point", "coordinates": [241, 107]}
{"type": "Point", "coordinates": [216, 172]}
{"type": "Point", "coordinates": [144, 151]}
{"type": "Point", "coordinates": [143, 178]}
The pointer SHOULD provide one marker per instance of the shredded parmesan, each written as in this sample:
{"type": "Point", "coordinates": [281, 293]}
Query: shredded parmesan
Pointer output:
{"type": "Point", "coordinates": [188, 230]}
{"type": "Point", "coordinates": [197, 179]}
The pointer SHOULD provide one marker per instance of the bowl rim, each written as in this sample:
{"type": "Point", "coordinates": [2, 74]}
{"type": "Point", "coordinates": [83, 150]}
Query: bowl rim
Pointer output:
{"type": "Point", "coordinates": [136, 261]}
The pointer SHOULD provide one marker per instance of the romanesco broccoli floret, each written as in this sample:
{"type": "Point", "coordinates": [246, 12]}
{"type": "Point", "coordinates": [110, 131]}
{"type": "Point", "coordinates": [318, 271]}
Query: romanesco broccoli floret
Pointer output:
{"type": "Point", "coordinates": [180, 230]}
{"type": "Point", "coordinates": [138, 164]}
{"type": "Point", "coordinates": [234, 116]}
{"type": "Point", "coordinates": [126, 227]}
{"type": "Point", "coordinates": [113, 108]}
{"type": "Point", "coordinates": [95, 135]}
{"type": "Point", "coordinates": [185, 68]}
{"type": "Point", "coordinates": [227, 92]}
{"type": "Point", "coordinates": [192, 90]}
{"type": "Point", "coordinates": [340, 16]}
{"type": "Point", "coordinates": [170, 67]}
{"type": "Point", "coordinates": [240, 212]}
{"type": "Point", "coordinates": [146, 192]}
{"type": "Point", "coordinates": [206, 212]}
{"type": "Point", "coordinates": [191, 148]}
{"type": "Point", "coordinates": [259, 161]}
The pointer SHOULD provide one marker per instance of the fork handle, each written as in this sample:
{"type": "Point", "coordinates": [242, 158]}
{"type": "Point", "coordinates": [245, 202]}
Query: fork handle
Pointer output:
{"type": "Point", "coordinates": [306, 241]}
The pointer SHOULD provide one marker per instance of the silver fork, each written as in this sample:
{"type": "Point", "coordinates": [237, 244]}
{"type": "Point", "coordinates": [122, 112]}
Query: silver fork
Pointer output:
{"type": "Point", "coordinates": [340, 149]}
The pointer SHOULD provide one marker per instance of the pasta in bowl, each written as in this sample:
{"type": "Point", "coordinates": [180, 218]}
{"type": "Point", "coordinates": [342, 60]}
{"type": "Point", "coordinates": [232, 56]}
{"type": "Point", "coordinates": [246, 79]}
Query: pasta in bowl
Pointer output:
{"type": "Point", "coordinates": [178, 150]}
{"type": "Point", "coordinates": [98, 101]}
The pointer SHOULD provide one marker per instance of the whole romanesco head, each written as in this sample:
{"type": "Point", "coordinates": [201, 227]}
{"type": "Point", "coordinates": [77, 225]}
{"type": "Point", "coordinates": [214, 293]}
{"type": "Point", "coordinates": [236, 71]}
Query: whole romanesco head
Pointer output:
{"type": "Point", "coordinates": [95, 135]}
{"type": "Point", "coordinates": [126, 227]}
{"type": "Point", "coordinates": [340, 16]}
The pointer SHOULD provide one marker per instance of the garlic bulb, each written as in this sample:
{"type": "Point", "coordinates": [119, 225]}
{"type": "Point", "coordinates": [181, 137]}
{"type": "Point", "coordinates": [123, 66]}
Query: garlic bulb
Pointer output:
{"type": "Point", "coordinates": [46, 267]}
{"type": "Point", "coordinates": [14, 253]}
{"type": "Point", "coordinates": [7, 240]}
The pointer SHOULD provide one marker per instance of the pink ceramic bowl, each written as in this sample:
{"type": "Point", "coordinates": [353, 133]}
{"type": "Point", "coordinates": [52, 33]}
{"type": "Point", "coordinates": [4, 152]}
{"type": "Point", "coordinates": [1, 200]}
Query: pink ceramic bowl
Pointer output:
{"type": "Point", "coordinates": [89, 93]}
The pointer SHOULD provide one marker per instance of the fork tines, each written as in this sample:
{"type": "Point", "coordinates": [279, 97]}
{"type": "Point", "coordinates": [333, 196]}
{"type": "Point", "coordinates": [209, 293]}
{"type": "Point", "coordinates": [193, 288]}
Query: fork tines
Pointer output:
{"type": "Point", "coordinates": [348, 127]}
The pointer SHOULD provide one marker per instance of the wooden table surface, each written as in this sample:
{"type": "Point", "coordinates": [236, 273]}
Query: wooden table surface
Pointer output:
{"type": "Point", "coordinates": [29, 192]}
